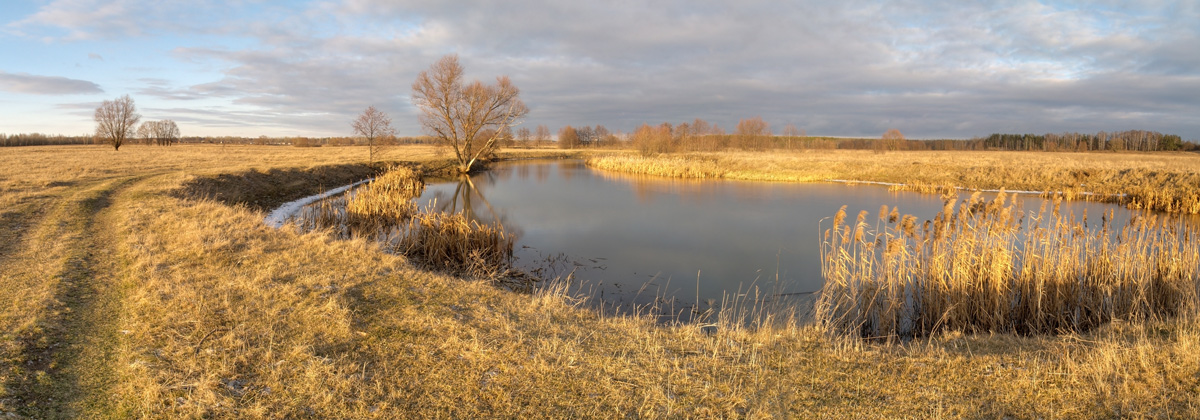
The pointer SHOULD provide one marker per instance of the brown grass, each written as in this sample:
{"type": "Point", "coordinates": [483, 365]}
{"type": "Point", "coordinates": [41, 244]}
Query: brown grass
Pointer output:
{"type": "Point", "coordinates": [384, 202]}
{"type": "Point", "coordinates": [219, 316]}
{"type": "Point", "coordinates": [456, 244]}
{"type": "Point", "coordinates": [984, 268]}
{"type": "Point", "coordinates": [1165, 181]}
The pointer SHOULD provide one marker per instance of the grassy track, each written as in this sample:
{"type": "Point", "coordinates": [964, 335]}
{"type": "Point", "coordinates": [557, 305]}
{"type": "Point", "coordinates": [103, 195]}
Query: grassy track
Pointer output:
{"type": "Point", "coordinates": [59, 362]}
{"type": "Point", "coordinates": [135, 301]}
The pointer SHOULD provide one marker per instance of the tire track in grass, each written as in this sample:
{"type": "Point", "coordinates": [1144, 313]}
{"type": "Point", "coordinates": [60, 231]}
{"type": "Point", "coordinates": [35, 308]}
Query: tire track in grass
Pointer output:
{"type": "Point", "coordinates": [58, 362]}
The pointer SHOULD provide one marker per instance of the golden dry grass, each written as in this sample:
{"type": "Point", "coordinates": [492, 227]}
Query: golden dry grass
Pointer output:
{"type": "Point", "coordinates": [983, 267]}
{"type": "Point", "coordinates": [217, 315]}
{"type": "Point", "coordinates": [1158, 181]}
{"type": "Point", "coordinates": [384, 202]}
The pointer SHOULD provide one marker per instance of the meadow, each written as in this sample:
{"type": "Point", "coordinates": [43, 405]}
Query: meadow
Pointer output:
{"type": "Point", "coordinates": [144, 283]}
{"type": "Point", "coordinates": [1168, 182]}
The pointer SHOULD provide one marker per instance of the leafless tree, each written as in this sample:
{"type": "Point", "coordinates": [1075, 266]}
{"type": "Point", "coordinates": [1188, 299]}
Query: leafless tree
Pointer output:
{"type": "Point", "coordinates": [587, 137]}
{"type": "Point", "coordinates": [542, 134]}
{"type": "Point", "coordinates": [892, 140]}
{"type": "Point", "coordinates": [791, 131]}
{"type": "Point", "coordinates": [455, 112]}
{"type": "Point", "coordinates": [146, 132]}
{"type": "Point", "coordinates": [524, 136]}
{"type": "Point", "coordinates": [115, 121]}
{"type": "Point", "coordinates": [374, 125]}
{"type": "Point", "coordinates": [652, 140]}
{"type": "Point", "coordinates": [162, 133]}
{"type": "Point", "coordinates": [752, 133]}
{"type": "Point", "coordinates": [568, 138]}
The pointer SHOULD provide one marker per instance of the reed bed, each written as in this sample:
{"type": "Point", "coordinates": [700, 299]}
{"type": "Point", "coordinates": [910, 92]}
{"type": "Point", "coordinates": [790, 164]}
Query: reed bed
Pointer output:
{"type": "Point", "coordinates": [384, 211]}
{"type": "Point", "coordinates": [673, 167]}
{"type": "Point", "coordinates": [455, 243]}
{"type": "Point", "coordinates": [385, 201]}
{"type": "Point", "coordinates": [1168, 182]}
{"type": "Point", "coordinates": [988, 267]}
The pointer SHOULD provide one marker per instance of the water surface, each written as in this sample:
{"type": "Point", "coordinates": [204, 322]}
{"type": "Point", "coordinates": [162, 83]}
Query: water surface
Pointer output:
{"type": "Point", "coordinates": [637, 239]}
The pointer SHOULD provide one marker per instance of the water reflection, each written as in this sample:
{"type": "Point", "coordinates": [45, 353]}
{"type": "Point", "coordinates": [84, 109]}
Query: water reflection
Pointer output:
{"type": "Point", "coordinates": [675, 242]}
{"type": "Point", "coordinates": [468, 198]}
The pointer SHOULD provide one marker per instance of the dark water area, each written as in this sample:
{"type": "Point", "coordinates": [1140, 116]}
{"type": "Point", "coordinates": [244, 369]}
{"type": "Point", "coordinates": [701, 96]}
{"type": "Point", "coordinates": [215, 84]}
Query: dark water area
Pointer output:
{"type": "Point", "coordinates": [640, 240]}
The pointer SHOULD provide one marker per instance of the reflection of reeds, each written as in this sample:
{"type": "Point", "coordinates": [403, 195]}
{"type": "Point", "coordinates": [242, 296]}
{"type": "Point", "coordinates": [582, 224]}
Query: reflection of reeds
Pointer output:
{"type": "Point", "coordinates": [982, 269]}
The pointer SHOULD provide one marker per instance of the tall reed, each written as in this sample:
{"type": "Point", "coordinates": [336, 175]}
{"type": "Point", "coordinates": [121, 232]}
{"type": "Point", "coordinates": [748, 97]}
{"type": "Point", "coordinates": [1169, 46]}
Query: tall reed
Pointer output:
{"type": "Point", "coordinates": [386, 200]}
{"type": "Point", "coordinates": [988, 267]}
{"type": "Point", "coordinates": [455, 243]}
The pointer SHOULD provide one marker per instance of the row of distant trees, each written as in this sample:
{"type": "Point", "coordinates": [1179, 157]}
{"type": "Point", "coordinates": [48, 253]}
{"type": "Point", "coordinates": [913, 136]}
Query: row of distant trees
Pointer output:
{"type": "Point", "coordinates": [755, 134]}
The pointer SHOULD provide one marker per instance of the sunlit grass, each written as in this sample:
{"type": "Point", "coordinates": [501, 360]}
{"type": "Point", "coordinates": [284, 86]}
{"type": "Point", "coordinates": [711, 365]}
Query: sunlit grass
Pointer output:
{"type": "Point", "coordinates": [223, 317]}
{"type": "Point", "coordinates": [1156, 181]}
{"type": "Point", "coordinates": [988, 267]}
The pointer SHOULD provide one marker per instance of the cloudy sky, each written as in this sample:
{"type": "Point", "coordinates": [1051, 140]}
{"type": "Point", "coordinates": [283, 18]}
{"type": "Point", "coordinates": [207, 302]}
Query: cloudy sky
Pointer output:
{"type": "Point", "coordinates": [932, 69]}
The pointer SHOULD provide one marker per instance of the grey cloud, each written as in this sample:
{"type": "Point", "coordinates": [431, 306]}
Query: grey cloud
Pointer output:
{"type": "Point", "coordinates": [46, 85]}
{"type": "Point", "coordinates": [933, 69]}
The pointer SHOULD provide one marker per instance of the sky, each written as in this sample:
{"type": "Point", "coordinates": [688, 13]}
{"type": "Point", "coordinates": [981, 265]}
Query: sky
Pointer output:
{"type": "Point", "coordinates": [932, 69]}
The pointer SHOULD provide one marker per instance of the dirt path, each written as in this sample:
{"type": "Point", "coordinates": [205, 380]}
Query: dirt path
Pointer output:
{"type": "Point", "coordinates": [63, 295]}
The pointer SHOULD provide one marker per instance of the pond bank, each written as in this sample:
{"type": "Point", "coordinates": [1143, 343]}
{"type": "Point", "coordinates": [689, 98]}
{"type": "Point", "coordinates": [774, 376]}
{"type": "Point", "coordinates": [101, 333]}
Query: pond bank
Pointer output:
{"type": "Point", "coordinates": [1165, 181]}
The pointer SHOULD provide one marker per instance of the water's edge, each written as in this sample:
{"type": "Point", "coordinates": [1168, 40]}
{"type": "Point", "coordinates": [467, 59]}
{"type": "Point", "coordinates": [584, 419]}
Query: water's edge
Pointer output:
{"type": "Point", "coordinates": [280, 215]}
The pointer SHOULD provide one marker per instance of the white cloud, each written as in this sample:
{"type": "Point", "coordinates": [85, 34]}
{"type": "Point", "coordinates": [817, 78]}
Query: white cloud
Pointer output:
{"type": "Point", "coordinates": [45, 85]}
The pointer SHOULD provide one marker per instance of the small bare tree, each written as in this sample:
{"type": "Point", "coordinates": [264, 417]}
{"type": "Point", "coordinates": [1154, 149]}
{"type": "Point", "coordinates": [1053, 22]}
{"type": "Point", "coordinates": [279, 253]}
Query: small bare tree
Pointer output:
{"type": "Point", "coordinates": [542, 135]}
{"type": "Point", "coordinates": [455, 112]}
{"type": "Point", "coordinates": [375, 126]}
{"type": "Point", "coordinates": [752, 133]}
{"type": "Point", "coordinates": [892, 140]}
{"type": "Point", "coordinates": [146, 132]}
{"type": "Point", "coordinates": [115, 121]}
{"type": "Point", "coordinates": [524, 136]}
{"type": "Point", "coordinates": [568, 138]}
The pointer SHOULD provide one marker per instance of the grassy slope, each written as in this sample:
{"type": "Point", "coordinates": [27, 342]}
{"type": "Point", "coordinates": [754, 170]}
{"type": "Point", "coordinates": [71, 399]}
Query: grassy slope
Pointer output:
{"type": "Point", "coordinates": [213, 314]}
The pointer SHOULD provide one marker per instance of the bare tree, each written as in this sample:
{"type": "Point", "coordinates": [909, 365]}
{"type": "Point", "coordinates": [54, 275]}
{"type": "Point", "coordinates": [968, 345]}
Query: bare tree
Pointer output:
{"type": "Point", "coordinates": [752, 133]}
{"type": "Point", "coordinates": [524, 136]}
{"type": "Point", "coordinates": [115, 121]}
{"type": "Point", "coordinates": [568, 138]}
{"type": "Point", "coordinates": [162, 133]}
{"type": "Point", "coordinates": [454, 112]}
{"type": "Point", "coordinates": [892, 140]}
{"type": "Point", "coordinates": [542, 135]}
{"type": "Point", "coordinates": [146, 132]}
{"type": "Point", "coordinates": [375, 126]}
{"type": "Point", "coordinates": [652, 140]}
{"type": "Point", "coordinates": [790, 130]}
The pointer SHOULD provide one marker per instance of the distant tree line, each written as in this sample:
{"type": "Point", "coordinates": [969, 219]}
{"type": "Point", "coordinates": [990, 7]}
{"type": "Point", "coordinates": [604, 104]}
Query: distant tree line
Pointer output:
{"type": "Point", "coordinates": [39, 139]}
{"type": "Point", "coordinates": [755, 134]}
{"type": "Point", "coordinates": [1132, 140]}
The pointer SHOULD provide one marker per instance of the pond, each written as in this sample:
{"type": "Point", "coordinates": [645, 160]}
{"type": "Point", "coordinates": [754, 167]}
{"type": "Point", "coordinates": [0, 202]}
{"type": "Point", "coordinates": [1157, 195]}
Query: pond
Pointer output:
{"type": "Point", "coordinates": [636, 240]}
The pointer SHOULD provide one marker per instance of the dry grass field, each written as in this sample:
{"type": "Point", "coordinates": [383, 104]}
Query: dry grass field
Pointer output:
{"type": "Point", "coordinates": [1158, 181]}
{"type": "Point", "coordinates": [122, 297]}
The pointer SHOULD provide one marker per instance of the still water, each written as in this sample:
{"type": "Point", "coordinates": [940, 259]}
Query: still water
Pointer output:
{"type": "Point", "coordinates": [634, 239]}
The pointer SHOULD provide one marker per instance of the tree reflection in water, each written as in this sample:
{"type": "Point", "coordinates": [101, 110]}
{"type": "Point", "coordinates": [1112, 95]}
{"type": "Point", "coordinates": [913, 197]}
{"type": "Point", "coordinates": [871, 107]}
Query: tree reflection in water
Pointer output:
{"type": "Point", "coordinates": [468, 198]}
